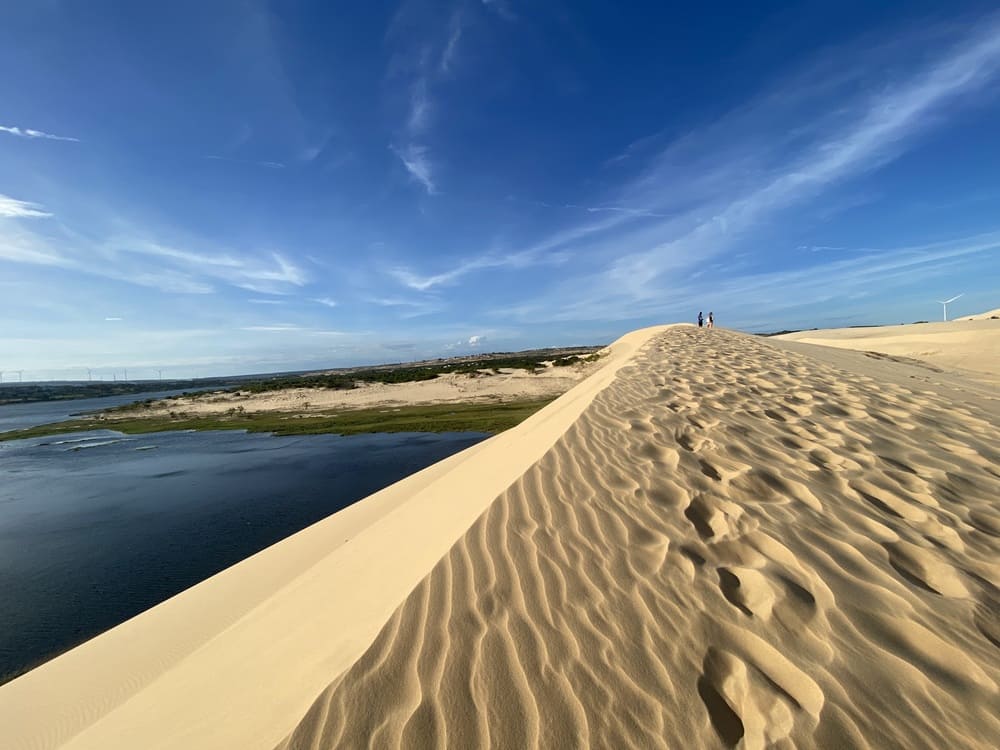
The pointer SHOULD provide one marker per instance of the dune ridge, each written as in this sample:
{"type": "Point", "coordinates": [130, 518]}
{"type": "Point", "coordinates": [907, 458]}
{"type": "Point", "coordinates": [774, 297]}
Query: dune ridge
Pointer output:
{"type": "Point", "coordinates": [735, 546]}
{"type": "Point", "coordinates": [235, 660]}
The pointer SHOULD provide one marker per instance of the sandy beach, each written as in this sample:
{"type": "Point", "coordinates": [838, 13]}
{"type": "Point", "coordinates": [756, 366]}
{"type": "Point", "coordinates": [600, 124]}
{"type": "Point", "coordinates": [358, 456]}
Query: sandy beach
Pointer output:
{"type": "Point", "coordinates": [713, 540]}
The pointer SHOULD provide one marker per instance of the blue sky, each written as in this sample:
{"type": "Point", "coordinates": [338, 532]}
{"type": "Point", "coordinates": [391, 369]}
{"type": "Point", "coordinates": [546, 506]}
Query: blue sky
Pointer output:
{"type": "Point", "coordinates": [234, 187]}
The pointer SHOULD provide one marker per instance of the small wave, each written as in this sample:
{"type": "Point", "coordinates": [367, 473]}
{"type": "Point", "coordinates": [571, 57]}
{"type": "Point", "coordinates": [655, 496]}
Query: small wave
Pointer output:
{"type": "Point", "coordinates": [69, 441]}
{"type": "Point", "coordinates": [98, 444]}
{"type": "Point", "coordinates": [146, 447]}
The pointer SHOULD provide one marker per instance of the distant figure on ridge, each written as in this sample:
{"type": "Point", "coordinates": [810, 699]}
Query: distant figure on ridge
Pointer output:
{"type": "Point", "coordinates": [701, 319]}
{"type": "Point", "coordinates": [711, 320]}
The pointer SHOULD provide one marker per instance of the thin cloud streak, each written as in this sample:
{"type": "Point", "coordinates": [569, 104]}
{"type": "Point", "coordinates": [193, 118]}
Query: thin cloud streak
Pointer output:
{"type": "Point", "coordinates": [268, 164]}
{"type": "Point", "coordinates": [418, 164]}
{"type": "Point", "coordinates": [421, 283]}
{"type": "Point", "coordinates": [725, 200]}
{"type": "Point", "coordinates": [29, 133]}
{"type": "Point", "coordinates": [12, 208]}
{"type": "Point", "coordinates": [163, 267]}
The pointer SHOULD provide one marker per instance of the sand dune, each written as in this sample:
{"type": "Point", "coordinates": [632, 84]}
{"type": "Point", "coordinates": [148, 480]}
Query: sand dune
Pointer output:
{"type": "Point", "coordinates": [726, 542]}
{"type": "Point", "coordinates": [989, 314]}
{"type": "Point", "coordinates": [235, 661]}
{"type": "Point", "coordinates": [971, 344]}
{"type": "Point", "coordinates": [735, 545]}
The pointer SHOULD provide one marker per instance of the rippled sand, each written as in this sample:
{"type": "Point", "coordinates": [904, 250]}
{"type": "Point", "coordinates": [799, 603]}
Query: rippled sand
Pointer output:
{"type": "Point", "coordinates": [735, 546]}
{"type": "Point", "coordinates": [727, 542]}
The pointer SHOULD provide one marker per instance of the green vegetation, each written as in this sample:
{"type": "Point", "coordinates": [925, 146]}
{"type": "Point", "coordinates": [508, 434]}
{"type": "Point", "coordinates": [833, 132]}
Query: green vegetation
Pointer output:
{"type": "Point", "coordinates": [349, 379]}
{"type": "Point", "coordinates": [340, 379]}
{"type": "Point", "coordinates": [492, 418]}
{"type": "Point", "coordinates": [574, 360]}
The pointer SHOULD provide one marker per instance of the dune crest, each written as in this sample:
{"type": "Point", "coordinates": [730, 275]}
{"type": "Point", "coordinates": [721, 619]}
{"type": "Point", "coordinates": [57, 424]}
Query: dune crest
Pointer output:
{"type": "Point", "coordinates": [734, 546]}
{"type": "Point", "coordinates": [235, 660]}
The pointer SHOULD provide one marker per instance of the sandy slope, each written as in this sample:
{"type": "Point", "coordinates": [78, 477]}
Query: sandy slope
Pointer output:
{"type": "Point", "coordinates": [983, 316]}
{"type": "Point", "coordinates": [235, 661]}
{"type": "Point", "coordinates": [736, 545]}
{"type": "Point", "coordinates": [972, 345]}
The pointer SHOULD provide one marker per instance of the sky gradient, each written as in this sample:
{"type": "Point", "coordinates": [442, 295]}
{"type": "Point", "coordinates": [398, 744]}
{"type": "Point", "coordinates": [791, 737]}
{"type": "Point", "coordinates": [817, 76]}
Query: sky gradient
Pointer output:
{"type": "Point", "coordinates": [234, 187]}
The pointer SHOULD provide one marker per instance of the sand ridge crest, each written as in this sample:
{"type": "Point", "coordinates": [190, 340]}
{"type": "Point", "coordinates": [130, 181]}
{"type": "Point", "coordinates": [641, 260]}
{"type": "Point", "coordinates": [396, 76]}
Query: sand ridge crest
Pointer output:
{"type": "Point", "coordinates": [734, 546]}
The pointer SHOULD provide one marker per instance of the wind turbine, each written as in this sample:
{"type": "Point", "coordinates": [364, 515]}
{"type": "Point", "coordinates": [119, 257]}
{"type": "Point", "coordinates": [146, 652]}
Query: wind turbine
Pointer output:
{"type": "Point", "coordinates": [90, 374]}
{"type": "Point", "coordinates": [20, 375]}
{"type": "Point", "coordinates": [944, 304]}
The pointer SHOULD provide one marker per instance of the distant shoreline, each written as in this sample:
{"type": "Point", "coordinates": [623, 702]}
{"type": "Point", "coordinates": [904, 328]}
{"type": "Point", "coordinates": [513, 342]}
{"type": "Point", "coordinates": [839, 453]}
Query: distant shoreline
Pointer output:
{"type": "Point", "coordinates": [449, 417]}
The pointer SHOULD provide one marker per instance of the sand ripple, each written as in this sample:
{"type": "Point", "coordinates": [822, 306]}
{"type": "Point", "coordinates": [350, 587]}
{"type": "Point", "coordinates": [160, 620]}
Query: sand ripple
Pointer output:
{"type": "Point", "coordinates": [734, 546]}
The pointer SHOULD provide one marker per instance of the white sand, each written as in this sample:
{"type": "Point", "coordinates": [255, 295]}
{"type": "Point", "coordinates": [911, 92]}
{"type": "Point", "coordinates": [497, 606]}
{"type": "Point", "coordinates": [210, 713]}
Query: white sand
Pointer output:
{"type": "Point", "coordinates": [988, 315]}
{"type": "Point", "coordinates": [234, 661]}
{"type": "Point", "coordinates": [725, 542]}
{"type": "Point", "coordinates": [971, 345]}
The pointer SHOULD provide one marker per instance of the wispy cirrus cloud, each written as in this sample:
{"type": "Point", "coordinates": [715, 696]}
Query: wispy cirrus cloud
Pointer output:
{"type": "Point", "coordinates": [456, 27]}
{"type": "Point", "coordinates": [424, 283]}
{"type": "Point", "coordinates": [273, 328]}
{"type": "Point", "coordinates": [417, 162]}
{"type": "Point", "coordinates": [252, 162]}
{"type": "Point", "coordinates": [12, 208]}
{"type": "Point", "coordinates": [29, 133]}
{"type": "Point", "coordinates": [430, 60]}
{"type": "Point", "coordinates": [325, 301]}
{"type": "Point", "coordinates": [707, 193]}
{"type": "Point", "coordinates": [135, 259]}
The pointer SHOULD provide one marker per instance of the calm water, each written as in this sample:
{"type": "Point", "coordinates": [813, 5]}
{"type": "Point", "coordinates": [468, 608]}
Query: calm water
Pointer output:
{"type": "Point", "coordinates": [97, 527]}
{"type": "Point", "coordinates": [20, 416]}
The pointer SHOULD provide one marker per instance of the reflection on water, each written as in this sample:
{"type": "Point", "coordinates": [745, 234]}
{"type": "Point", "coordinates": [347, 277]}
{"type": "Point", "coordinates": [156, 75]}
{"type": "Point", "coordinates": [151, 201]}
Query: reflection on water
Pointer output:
{"type": "Point", "coordinates": [97, 527]}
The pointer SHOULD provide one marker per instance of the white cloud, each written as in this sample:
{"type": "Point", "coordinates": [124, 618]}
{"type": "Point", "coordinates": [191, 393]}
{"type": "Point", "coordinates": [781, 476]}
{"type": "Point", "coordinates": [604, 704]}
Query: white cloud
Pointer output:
{"type": "Point", "coordinates": [418, 164]}
{"type": "Point", "coordinates": [420, 107]}
{"type": "Point", "coordinates": [873, 136]}
{"type": "Point", "coordinates": [266, 301]}
{"type": "Point", "coordinates": [159, 266]}
{"type": "Point", "coordinates": [29, 133]}
{"type": "Point", "coordinates": [719, 185]}
{"type": "Point", "coordinates": [274, 328]}
{"type": "Point", "coordinates": [476, 340]}
{"type": "Point", "coordinates": [265, 275]}
{"type": "Point", "coordinates": [113, 319]}
{"type": "Point", "coordinates": [535, 256]}
{"type": "Point", "coordinates": [325, 301]}
{"type": "Point", "coordinates": [11, 208]}
{"type": "Point", "coordinates": [253, 162]}
{"type": "Point", "coordinates": [455, 29]}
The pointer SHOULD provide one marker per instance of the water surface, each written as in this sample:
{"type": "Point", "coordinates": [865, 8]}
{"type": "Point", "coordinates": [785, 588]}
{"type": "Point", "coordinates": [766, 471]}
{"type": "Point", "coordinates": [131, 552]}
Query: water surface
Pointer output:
{"type": "Point", "coordinates": [97, 527]}
{"type": "Point", "coordinates": [22, 416]}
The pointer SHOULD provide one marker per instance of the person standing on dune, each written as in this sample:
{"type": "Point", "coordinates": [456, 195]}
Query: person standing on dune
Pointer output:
{"type": "Point", "coordinates": [711, 320]}
{"type": "Point", "coordinates": [701, 319]}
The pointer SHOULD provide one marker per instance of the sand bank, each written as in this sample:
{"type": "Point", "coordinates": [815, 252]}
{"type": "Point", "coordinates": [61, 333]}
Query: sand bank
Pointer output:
{"type": "Point", "coordinates": [728, 542]}
{"type": "Point", "coordinates": [488, 386]}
